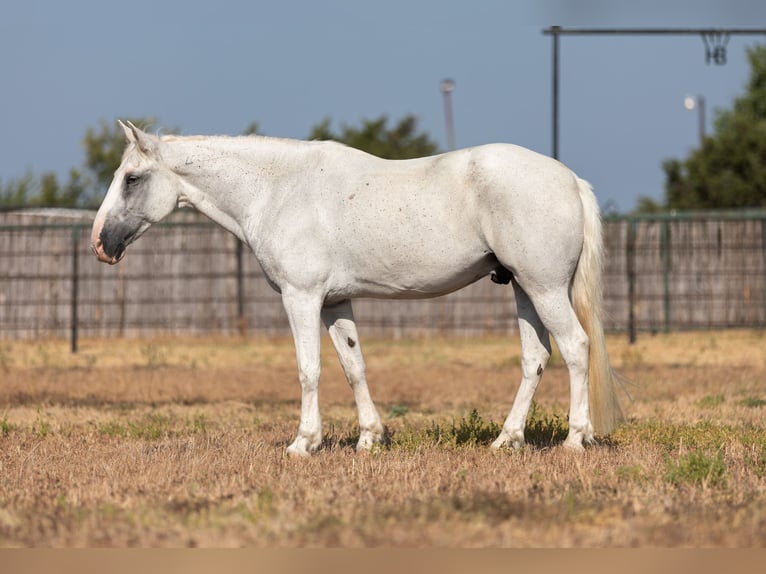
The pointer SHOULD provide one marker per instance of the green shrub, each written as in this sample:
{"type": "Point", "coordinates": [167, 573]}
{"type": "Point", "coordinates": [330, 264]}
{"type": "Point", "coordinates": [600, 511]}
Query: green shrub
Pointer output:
{"type": "Point", "coordinates": [752, 402]}
{"type": "Point", "coordinates": [6, 427]}
{"type": "Point", "coordinates": [711, 401]}
{"type": "Point", "coordinates": [696, 468]}
{"type": "Point", "coordinates": [545, 428]}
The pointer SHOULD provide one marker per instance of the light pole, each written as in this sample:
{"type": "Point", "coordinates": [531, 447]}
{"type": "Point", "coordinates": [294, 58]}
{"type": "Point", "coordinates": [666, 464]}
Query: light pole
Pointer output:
{"type": "Point", "coordinates": [690, 102]}
{"type": "Point", "coordinates": [447, 87]}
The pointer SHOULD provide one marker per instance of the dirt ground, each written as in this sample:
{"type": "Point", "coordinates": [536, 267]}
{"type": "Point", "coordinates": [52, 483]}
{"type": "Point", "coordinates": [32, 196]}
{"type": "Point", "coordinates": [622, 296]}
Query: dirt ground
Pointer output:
{"type": "Point", "coordinates": [180, 442]}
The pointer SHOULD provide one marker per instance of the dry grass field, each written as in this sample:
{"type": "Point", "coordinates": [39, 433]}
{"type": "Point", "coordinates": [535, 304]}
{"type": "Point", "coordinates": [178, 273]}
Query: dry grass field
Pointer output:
{"type": "Point", "coordinates": [180, 442]}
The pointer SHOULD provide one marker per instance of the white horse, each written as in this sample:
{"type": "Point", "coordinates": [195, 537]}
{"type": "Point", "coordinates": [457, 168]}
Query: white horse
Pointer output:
{"type": "Point", "coordinates": [329, 223]}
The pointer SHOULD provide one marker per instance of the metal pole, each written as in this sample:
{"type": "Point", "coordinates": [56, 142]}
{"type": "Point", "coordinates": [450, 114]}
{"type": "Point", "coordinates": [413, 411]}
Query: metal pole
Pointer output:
{"type": "Point", "coordinates": [75, 286]}
{"type": "Point", "coordinates": [555, 30]}
{"type": "Point", "coordinates": [630, 264]}
{"type": "Point", "coordinates": [701, 111]}
{"type": "Point", "coordinates": [763, 259]}
{"type": "Point", "coordinates": [665, 254]}
{"type": "Point", "coordinates": [447, 87]}
{"type": "Point", "coordinates": [241, 323]}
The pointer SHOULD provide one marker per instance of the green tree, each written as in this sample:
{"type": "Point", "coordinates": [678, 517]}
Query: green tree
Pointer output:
{"type": "Point", "coordinates": [402, 141]}
{"type": "Point", "coordinates": [51, 193]}
{"type": "Point", "coordinates": [252, 129]}
{"type": "Point", "coordinates": [16, 192]}
{"type": "Point", "coordinates": [84, 187]}
{"type": "Point", "coordinates": [729, 169]}
{"type": "Point", "coordinates": [44, 191]}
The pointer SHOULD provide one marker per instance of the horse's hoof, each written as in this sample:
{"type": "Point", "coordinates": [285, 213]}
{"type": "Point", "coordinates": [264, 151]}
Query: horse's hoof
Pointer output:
{"type": "Point", "coordinates": [302, 447]}
{"type": "Point", "coordinates": [514, 440]}
{"type": "Point", "coordinates": [574, 445]}
{"type": "Point", "coordinates": [367, 440]}
{"type": "Point", "coordinates": [297, 452]}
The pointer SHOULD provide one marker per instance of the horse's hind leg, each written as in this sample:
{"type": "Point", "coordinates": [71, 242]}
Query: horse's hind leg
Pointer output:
{"type": "Point", "coordinates": [556, 312]}
{"type": "Point", "coordinates": [339, 320]}
{"type": "Point", "coordinates": [535, 352]}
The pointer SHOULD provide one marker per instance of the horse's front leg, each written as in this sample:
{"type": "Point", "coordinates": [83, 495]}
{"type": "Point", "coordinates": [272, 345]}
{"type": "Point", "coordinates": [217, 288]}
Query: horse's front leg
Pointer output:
{"type": "Point", "coordinates": [303, 310]}
{"type": "Point", "coordinates": [339, 320]}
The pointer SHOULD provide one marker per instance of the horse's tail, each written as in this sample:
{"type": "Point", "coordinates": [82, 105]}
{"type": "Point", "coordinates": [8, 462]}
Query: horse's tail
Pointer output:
{"type": "Point", "coordinates": [605, 410]}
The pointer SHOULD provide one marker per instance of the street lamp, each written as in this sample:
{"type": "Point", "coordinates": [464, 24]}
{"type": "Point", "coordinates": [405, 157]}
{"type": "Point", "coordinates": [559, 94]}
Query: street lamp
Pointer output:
{"type": "Point", "coordinates": [447, 87]}
{"type": "Point", "coordinates": [690, 103]}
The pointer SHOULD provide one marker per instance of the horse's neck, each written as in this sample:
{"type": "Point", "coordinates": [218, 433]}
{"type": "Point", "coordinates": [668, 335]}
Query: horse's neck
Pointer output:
{"type": "Point", "coordinates": [227, 178]}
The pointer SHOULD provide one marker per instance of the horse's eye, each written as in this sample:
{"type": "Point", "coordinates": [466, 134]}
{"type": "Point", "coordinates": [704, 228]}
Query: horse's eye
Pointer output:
{"type": "Point", "coordinates": [131, 179]}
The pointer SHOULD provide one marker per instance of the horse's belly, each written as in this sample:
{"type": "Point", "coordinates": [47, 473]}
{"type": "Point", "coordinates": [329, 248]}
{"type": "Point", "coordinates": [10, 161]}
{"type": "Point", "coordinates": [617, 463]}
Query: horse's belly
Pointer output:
{"type": "Point", "coordinates": [419, 281]}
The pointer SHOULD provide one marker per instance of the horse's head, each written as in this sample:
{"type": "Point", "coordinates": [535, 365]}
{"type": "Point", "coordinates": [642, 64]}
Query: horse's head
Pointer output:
{"type": "Point", "coordinates": [144, 191]}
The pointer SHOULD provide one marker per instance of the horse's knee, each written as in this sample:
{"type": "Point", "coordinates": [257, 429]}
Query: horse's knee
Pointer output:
{"type": "Point", "coordinates": [308, 376]}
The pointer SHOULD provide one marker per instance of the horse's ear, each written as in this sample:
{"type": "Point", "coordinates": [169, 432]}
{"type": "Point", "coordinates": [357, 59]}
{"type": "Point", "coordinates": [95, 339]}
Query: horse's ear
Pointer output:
{"type": "Point", "coordinates": [146, 143]}
{"type": "Point", "coordinates": [128, 132]}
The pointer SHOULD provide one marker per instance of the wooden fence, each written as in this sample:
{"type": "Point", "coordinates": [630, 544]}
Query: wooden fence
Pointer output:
{"type": "Point", "coordinates": [188, 276]}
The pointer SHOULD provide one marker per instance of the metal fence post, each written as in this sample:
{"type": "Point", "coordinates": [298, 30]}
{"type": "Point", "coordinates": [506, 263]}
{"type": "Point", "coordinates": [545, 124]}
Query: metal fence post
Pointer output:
{"type": "Point", "coordinates": [763, 256]}
{"type": "Point", "coordinates": [75, 285]}
{"type": "Point", "coordinates": [630, 266]}
{"type": "Point", "coordinates": [241, 321]}
{"type": "Point", "coordinates": [665, 253]}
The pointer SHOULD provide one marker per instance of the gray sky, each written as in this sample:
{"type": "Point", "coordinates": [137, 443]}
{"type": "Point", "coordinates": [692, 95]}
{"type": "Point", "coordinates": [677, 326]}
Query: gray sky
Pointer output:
{"type": "Point", "coordinates": [214, 67]}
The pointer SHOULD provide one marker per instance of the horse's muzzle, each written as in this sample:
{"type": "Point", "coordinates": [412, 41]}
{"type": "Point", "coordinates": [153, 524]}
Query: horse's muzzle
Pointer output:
{"type": "Point", "coordinates": [98, 250]}
{"type": "Point", "coordinates": [110, 243]}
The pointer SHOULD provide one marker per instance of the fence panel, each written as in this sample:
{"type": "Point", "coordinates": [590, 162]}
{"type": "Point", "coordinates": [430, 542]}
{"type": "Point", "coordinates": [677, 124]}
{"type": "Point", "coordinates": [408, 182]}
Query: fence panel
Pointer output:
{"type": "Point", "coordinates": [191, 277]}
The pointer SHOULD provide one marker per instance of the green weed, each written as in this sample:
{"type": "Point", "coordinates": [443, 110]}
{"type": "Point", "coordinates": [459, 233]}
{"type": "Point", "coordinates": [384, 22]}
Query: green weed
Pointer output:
{"type": "Point", "coordinates": [264, 505]}
{"type": "Point", "coordinates": [711, 401]}
{"type": "Point", "coordinates": [409, 438]}
{"type": "Point", "coordinates": [265, 500]}
{"type": "Point", "coordinates": [545, 428]}
{"type": "Point", "coordinates": [755, 459]}
{"type": "Point", "coordinates": [696, 468]}
{"type": "Point", "coordinates": [42, 427]}
{"type": "Point", "coordinates": [153, 427]}
{"type": "Point", "coordinates": [470, 431]}
{"type": "Point", "coordinates": [704, 436]}
{"type": "Point", "coordinates": [154, 356]}
{"type": "Point", "coordinates": [632, 473]}
{"type": "Point", "coordinates": [398, 411]}
{"type": "Point", "coordinates": [113, 429]}
{"type": "Point", "coordinates": [5, 427]}
{"type": "Point", "coordinates": [199, 424]}
{"type": "Point", "coordinates": [752, 402]}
